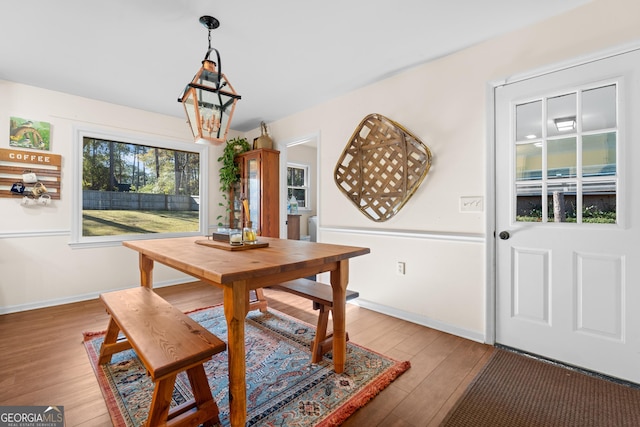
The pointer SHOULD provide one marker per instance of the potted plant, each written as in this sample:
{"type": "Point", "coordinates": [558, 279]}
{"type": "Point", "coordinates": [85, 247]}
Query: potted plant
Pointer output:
{"type": "Point", "coordinates": [229, 172]}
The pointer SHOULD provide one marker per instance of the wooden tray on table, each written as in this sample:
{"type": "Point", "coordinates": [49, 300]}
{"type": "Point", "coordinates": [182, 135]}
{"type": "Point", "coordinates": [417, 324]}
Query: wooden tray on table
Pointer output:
{"type": "Point", "coordinates": [229, 247]}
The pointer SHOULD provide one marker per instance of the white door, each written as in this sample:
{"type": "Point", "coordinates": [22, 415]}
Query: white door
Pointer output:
{"type": "Point", "coordinates": [568, 216]}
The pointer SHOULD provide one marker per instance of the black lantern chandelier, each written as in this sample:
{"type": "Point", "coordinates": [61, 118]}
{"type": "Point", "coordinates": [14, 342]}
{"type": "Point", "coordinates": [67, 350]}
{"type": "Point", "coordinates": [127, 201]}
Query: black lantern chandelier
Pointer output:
{"type": "Point", "coordinates": [209, 99]}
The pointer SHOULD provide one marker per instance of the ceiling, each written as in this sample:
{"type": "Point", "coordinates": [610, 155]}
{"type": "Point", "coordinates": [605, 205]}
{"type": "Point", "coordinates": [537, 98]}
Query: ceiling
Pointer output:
{"type": "Point", "coordinates": [282, 56]}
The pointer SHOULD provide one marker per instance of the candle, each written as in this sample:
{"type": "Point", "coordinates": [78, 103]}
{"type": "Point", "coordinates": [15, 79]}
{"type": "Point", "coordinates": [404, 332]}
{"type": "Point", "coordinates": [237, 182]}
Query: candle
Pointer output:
{"type": "Point", "coordinates": [235, 238]}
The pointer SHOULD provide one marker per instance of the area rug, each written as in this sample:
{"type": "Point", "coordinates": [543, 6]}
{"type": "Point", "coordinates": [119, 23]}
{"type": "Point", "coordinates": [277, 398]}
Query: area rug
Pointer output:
{"type": "Point", "coordinates": [283, 387]}
{"type": "Point", "coordinates": [515, 390]}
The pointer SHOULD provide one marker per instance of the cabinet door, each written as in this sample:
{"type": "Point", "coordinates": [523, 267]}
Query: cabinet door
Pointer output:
{"type": "Point", "coordinates": [260, 185]}
{"type": "Point", "coordinates": [251, 184]}
{"type": "Point", "coordinates": [235, 195]}
{"type": "Point", "coordinates": [270, 193]}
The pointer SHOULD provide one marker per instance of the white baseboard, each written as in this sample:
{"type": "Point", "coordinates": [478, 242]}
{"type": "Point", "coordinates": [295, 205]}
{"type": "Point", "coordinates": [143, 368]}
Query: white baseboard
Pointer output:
{"type": "Point", "coordinates": [84, 297]}
{"type": "Point", "coordinates": [390, 311]}
{"type": "Point", "coordinates": [420, 320]}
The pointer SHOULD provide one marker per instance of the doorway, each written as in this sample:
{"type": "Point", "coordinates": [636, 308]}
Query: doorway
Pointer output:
{"type": "Point", "coordinates": [301, 155]}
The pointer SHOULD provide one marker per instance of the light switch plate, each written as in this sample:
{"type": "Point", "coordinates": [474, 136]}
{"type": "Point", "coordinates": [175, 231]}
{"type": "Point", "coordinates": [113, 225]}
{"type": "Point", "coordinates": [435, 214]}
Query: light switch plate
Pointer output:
{"type": "Point", "coordinates": [471, 204]}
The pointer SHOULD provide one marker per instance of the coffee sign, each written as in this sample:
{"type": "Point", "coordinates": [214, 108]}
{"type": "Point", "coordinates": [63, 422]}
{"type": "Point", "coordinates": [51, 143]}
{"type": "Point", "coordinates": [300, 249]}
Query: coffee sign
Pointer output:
{"type": "Point", "coordinates": [31, 157]}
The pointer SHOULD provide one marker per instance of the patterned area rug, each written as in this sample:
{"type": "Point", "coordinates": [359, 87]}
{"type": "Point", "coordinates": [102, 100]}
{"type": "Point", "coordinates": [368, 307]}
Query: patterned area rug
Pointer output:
{"type": "Point", "coordinates": [283, 387]}
{"type": "Point", "coordinates": [514, 390]}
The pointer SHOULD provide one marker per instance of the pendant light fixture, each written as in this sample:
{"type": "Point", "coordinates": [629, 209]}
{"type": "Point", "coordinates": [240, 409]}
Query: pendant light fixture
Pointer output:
{"type": "Point", "coordinates": [209, 99]}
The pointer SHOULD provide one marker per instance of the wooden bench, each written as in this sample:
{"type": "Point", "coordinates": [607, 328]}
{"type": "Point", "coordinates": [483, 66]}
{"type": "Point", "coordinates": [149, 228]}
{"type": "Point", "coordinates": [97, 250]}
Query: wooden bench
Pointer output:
{"type": "Point", "coordinates": [322, 296]}
{"type": "Point", "coordinates": [167, 342]}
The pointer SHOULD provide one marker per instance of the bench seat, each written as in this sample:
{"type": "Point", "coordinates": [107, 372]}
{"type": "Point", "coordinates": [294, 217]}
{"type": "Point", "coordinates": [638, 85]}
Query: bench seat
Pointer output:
{"type": "Point", "coordinates": [167, 342]}
{"type": "Point", "coordinates": [322, 296]}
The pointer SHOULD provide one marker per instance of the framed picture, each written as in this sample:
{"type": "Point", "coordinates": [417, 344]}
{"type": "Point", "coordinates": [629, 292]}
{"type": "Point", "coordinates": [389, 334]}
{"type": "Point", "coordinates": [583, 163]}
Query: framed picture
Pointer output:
{"type": "Point", "coordinates": [27, 133]}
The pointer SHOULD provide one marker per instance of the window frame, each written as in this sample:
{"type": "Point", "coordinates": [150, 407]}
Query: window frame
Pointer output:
{"type": "Point", "coordinates": [306, 187]}
{"type": "Point", "coordinates": [77, 239]}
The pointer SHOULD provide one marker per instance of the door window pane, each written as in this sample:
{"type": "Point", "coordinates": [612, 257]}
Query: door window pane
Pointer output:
{"type": "Point", "coordinates": [599, 154]}
{"type": "Point", "coordinates": [599, 202]}
{"type": "Point", "coordinates": [561, 202]}
{"type": "Point", "coordinates": [561, 158]}
{"type": "Point", "coordinates": [529, 161]}
{"type": "Point", "coordinates": [529, 121]}
{"type": "Point", "coordinates": [599, 108]}
{"type": "Point", "coordinates": [561, 114]}
{"type": "Point", "coordinates": [529, 202]}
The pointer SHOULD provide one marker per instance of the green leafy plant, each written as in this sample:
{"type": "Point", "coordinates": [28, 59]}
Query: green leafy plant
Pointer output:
{"type": "Point", "coordinates": [229, 172]}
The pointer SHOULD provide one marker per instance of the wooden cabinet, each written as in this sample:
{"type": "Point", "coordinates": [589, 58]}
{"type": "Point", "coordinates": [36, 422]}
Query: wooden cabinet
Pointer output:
{"type": "Point", "coordinates": [260, 185]}
{"type": "Point", "coordinates": [293, 227]}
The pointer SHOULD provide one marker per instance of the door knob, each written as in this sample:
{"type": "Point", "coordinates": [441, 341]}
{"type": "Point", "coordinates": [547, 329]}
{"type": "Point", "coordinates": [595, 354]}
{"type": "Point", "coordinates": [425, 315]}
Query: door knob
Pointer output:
{"type": "Point", "coordinates": [504, 235]}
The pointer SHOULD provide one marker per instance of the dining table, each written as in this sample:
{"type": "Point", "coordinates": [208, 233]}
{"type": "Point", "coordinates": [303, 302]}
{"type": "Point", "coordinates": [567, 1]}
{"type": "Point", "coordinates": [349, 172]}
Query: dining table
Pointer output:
{"type": "Point", "coordinates": [240, 270]}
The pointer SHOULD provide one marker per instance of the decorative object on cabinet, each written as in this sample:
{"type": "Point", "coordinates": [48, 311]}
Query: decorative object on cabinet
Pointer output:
{"type": "Point", "coordinates": [229, 171]}
{"type": "Point", "coordinates": [381, 167]}
{"type": "Point", "coordinates": [264, 140]}
{"type": "Point", "coordinates": [259, 184]}
{"type": "Point", "coordinates": [209, 100]}
{"type": "Point", "coordinates": [14, 164]}
{"type": "Point", "coordinates": [25, 133]}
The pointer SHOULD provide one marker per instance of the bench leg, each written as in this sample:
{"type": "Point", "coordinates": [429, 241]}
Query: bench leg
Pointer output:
{"type": "Point", "coordinates": [159, 410]}
{"type": "Point", "coordinates": [202, 395]}
{"type": "Point", "coordinates": [260, 302]}
{"type": "Point", "coordinates": [110, 345]}
{"type": "Point", "coordinates": [201, 410]}
{"type": "Point", "coordinates": [323, 342]}
{"type": "Point", "coordinates": [321, 334]}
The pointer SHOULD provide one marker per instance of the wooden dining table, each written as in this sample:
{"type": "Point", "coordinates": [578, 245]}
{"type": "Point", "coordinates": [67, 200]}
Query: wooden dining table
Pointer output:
{"type": "Point", "coordinates": [238, 272]}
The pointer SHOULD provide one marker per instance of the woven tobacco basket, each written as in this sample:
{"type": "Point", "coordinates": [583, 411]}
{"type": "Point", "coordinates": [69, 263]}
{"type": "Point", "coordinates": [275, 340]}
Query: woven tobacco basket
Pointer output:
{"type": "Point", "coordinates": [381, 167]}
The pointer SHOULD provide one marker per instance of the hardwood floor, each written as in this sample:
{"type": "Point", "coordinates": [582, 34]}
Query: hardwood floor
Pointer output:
{"type": "Point", "coordinates": [43, 361]}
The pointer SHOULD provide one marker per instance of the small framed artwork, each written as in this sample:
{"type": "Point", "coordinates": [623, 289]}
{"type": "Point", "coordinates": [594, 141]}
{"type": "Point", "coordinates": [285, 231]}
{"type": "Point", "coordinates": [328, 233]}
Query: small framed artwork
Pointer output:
{"type": "Point", "coordinates": [27, 133]}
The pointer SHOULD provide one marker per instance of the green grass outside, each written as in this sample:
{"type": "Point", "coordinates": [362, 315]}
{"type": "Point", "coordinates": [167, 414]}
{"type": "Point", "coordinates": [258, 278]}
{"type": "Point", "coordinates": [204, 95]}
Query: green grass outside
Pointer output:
{"type": "Point", "coordinates": [115, 222]}
{"type": "Point", "coordinates": [608, 220]}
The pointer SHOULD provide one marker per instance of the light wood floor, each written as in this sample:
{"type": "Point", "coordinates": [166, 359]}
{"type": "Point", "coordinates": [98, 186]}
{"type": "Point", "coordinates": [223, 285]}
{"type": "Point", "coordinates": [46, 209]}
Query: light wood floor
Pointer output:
{"type": "Point", "coordinates": [43, 361]}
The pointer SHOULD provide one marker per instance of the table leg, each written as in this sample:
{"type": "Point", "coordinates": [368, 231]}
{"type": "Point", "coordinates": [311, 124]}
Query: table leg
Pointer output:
{"type": "Point", "coordinates": [339, 281]}
{"type": "Point", "coordinates": [236, 306]}
{"type": "Point", "coordinates": [146, 271]}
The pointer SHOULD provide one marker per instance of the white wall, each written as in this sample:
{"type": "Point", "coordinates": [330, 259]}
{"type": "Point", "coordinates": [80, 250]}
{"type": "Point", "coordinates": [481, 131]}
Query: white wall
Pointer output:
{"type": "Point", "coordinates": [443, 102]}
{"type": "Point", "coordinates": [37, 265]}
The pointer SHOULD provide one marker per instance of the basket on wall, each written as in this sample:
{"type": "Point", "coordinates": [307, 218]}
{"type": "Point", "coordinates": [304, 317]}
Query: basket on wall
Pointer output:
{"type": "Point", "coordinates": [381, 167]}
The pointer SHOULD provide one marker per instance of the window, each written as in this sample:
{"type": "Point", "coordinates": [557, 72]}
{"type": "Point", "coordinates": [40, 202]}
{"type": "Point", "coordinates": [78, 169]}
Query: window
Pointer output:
{"type": "Point", "coordinates": [298, 184]}
{"type": "Point", "coordinates": [130, 188]}
{"type": "Point", "coordinates": [566, 157]}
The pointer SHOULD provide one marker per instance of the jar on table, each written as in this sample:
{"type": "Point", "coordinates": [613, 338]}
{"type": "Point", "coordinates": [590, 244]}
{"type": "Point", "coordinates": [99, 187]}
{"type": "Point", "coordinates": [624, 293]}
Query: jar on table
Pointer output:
{"type": "Point", "coordinates": [235, 237]}
{"type": "Point", "coordinates": [249, 235]}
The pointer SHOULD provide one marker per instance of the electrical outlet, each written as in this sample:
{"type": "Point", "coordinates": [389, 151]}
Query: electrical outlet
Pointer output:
{"type": "Point", "coordinates": [400, 268]}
